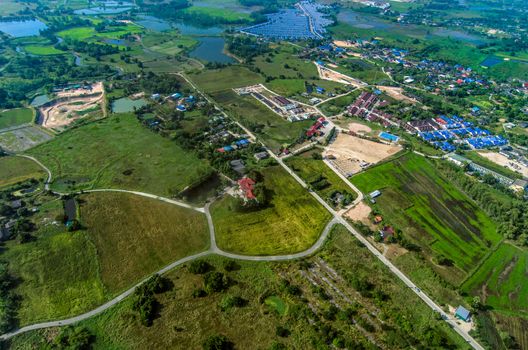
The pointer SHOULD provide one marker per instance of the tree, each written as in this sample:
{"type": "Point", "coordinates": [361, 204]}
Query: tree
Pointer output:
{"type": "Point", "coordinates": [215, 282]}
{"type": "Point", "coordinates": [199, 267]}
{"type": "Point", "coordinates": [78, 338]}
{"type": "Point", "coordinates": [217, 342]}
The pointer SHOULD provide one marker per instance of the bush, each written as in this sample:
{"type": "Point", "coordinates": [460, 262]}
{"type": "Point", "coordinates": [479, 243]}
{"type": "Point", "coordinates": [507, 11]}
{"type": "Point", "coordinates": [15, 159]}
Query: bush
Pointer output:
{"type": "Point", "coordinates": [199, 293]}
{"type": "Point", "coordinates": [74, 338]}
{"type": "Point", "coordinates": [230, 301]}
{"type": "Point", "coordinates": [231, 265]}
{"type": "Point", "coordinates": [282, 331]}
{"type": "Point", "coordinates": [199, 267]}
{"type": "Point", "coordinates": [217, 342]}
{"type": "Point", "coordinates": [215, 282]}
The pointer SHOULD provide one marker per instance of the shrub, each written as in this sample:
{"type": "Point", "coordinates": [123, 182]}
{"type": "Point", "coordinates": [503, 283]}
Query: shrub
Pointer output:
{"type": "Point", "coordinates": [230, 301]}
{"type": "Point", "coordinates": [231, 265]}
{"type": "Point", "coordinates": [282, 331]}
{"type": "Point", "coordinates": [215, 282]}
{"type": "Point", "coordinates": [217, 342]}
{"type": "Point", "coordinates": [74, 338]}
{"type": "Point", "coordinates": [199, 267]}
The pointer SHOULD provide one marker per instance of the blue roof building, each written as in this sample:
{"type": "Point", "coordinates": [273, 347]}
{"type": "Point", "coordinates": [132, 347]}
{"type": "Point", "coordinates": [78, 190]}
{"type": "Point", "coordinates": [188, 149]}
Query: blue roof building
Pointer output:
{"type": "Point", "coordinates": [463, 314]}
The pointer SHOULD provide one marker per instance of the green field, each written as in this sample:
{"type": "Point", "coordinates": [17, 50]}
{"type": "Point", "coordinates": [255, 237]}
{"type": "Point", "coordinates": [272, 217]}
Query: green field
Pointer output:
{"type": "Point", "coordinates": [18, 169]}
{"type": "Point", "coordinates": [431, 211]}
{"type": "Point", "coordinates": [501, 280]}
{"type": "Point", "coordinates": [225, 79]}
{"type": "Point", "coordinates": [274, 130]}
{"type": "Point", "coordinates": [338, 105]}
{"type": "Point", "coordinates": [135, 236]}
{"type": "Point", "coordinates": [184, 322]}
{"type": "Point", "coordinates": [174, 47]}
{"type": "Point", "coordinates": [311, 170]}
{"type": "Point", "coordinates": [292, 222]}
{"type": "Point", "coordinates": [118, 152]}
{"type": "Point", "coordinates": [42, 50]}
{"type": "Point", "coordinates": [84, 33]}
{"type": "Point", "coordinates": [225, 15]}
{"type": "Point", "coordinates": [15, 117]}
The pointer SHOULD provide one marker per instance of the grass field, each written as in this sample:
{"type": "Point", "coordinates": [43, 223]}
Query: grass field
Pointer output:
{"type": "Point", "coordinates": [185, 322]}
{"type": "Point", "coordinates": [18, 169]}
{"type": "Point", "coordinates": [226, 78]}
{"type": "Point", "coordinates": [84, 33]}
{"type": "Point", "coordinates": [135, 236]}
{"type": "Point", "coordinates": [23, 138]}
{"type": "Point", "coordinates": [174, 47]}
{"type": "Point", "coordinates": [292, 222]}
{"type": "Point", "coordinates": [311, 170]}
{"type": "Point", "coordinates": [10, 7]}
{"type": "Point", "coordinates": [225, 15]}
{"type": "Point", "coordinates": [118, 152]}
{"type": "Point", "coordinates": [501, 280]}
{"type": "Point", "coordinates": [338, 105]}
{"type": "Point", "coordinates": [15, 117]}
{"type": "Point", "coordinates": [430, 210]}
{"type": "Point", "coordinates": [43, 50]}
{"type": "Point", "coordinates": [274, 130]}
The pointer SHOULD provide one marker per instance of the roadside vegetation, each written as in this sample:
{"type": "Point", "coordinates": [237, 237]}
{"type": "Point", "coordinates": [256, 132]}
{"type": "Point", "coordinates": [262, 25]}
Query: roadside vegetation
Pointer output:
{"type": "Point", "coordinates": [17, 169]}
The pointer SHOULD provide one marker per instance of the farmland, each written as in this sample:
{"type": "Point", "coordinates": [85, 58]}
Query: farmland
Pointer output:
{"type": "Point", "coordinates": [42, 50]}
{"type": "Point", "coordinates": [225, 15]}
{"type": "Point", "coordinates": [272, 229]}
{"type": "Point", "coordinates": [18, 169]}
{"type": "Point", "coordinates": [276, 295]}
{"type": "Point", "coordinates": [135, 236]}
{"type": "Point", "coordinates": [225, 79]}
{"type": "Point", "coordinates": [119, 152]}
{"type": "Point", "coordinates": [431, 211]}
{"type": "Point", "coordinates": [15, 117]}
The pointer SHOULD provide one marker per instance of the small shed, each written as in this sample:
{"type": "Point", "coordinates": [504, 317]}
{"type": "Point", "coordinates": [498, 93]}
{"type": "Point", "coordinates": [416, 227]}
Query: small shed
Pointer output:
{"type": "Point", "coordinates": [463, 314]}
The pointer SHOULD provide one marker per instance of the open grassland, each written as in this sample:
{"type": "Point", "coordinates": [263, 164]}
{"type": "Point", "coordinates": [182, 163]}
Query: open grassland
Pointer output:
{"type": "Point", "coordinates": [291, 222]}
{"type": "Point", "coordinates": [18, 169]}
{"type": "Point", "coordinates": [274, 130]}
{"type": "Point", "coordinates": [501, 280]}
{"type": "Point", "coordinates": [295, 87]}
{"type": "Point", "coordinates": [432, 211]}
{"type": "Point", "coordinates": [225, 15]}
{"type": "Point", "coordinates": [173, 47]}
{"type": "Point", "coordinates": [42, 50]}
{"type": "Point", "coordinates": [15, 117]}
{"type": "Point", "coordinates": [312, 170]}
{"type": "Point", "coordinates": [278, 294]}
{"type": "Point", "coordinates": [10, 7]}
{"type": "Point", "coordinates": [118, 152]}
{"type": "Point", "coordinates": [84, 33]}
{"type": "Point", "coordinates": [57, 272]}
{"type": "Point", "coordinates": [225, 79]}
{"type": "Point", "coordinates": [283, 61]}
{"type": "Point", "coordinates": [136, 236]}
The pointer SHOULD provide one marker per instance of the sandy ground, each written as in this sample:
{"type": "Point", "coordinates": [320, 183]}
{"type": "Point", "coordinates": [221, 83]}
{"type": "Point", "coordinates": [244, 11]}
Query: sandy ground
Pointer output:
{"type": "Point", "coordinates": [343, 43]}
{"type": "Point", "coordinates": [328, 74]}
{"type": "Point", "coordinates": [350, 152]}
{"type": "Point", "coordinates": [499, 159]}
{"type": "Point", "coordinates": [63, 113]}
{"type": "Point", "coordinates": [359, 128]}
{"type": "Point", "coordinates": [360, 213]}
{"type": "Point", "coordinates": [397, 93]}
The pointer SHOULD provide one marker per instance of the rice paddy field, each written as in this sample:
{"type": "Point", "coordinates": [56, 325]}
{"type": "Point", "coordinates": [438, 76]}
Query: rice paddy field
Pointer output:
{"type": "Point", "coordinates": [17, 169]}
{"type": "Point", "coordinates": [292, 222]}
{"type": "Point", "coordinates": [118, 152]}
{"type": "Point", "coordinates": [15, 117]}
{"type": "Point", "coordinates": [500, 280]}
{"type": "Point", "coordinates": [431, 211]}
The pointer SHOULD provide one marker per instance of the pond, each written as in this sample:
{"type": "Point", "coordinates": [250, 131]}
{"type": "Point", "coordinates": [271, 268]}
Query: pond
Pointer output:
{"type": "Point", "coordinates": [107, 8]}
{"type": "Point", "coordinates": [153, 23]}
{"type": "Point", "coordinates": [119, 42]}
{"type": "Point", "coordinates": [125, 105]}
{"type": "Point", "coordinates": [40, 100]}
{"type": "Point", "coordinates": [189, 29]}
{"type": "Point", "coordinates": [70, 209]}
{"type": "Point", "coordinates": [199, 194]}
{"type": "Point", "coordinates": [491, 61]}
{"type": "Point", "coordinates": [20, 29]}
{"type": "Point", "coordinates": [211, 49]}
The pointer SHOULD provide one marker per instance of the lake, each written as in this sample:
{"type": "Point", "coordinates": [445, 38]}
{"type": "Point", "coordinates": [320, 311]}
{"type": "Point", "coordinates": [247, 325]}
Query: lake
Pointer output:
{"type": "Point", "coordinates": [211, 49]}
{"type": "Point", "coordinates": [125, 105]}
{"type": "Point", "coordinates": [491, 61]}
{"type": "Point", "coordinates": [189, 29]}
{"type": "Point", "coordinates": [459, 35]}
{"type": "Point", "coordinates": [153, 23]}
{"type": "Point", "coordinates": [108, 8]}
{"type": "Point", "coordinates": [20, 29]}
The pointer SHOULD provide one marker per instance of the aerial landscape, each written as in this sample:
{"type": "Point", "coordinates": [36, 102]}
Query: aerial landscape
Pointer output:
{"type": "Point", "coordinates": [275, 174]}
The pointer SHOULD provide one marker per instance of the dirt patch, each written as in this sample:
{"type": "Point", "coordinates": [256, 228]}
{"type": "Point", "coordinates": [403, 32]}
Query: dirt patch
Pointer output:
{"type": "Point", "coordinates": [394, 251]}
{"type": "Point", "coordinates": [343, 43]}
{"type": "Point", "coordinates": [504, 161]}
{"type": "Point", "coordinates": [396, 93]}
{"type": "Point", "coordinates": [360, 213]}
{"type": "Point", "coordinates": [359, 128]}
{"type": "Point", "coordinates": [351, 154]}
{"type": "Point", "coordinates": [328, 74]}
{"type": "Point", "coordinates": [71, 105]}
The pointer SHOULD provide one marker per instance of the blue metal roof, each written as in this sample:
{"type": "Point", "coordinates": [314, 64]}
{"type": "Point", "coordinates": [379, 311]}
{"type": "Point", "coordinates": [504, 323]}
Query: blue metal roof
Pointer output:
{"type": "Point", "coordinates": [462, 312]}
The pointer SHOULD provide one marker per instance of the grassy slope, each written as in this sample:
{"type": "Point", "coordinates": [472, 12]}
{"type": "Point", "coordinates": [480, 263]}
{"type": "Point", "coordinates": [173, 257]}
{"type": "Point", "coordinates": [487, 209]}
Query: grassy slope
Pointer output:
{"type": "Point", "coordinates": [17, 169]}
{"type": "Point", "coordinates": [185, 322]}
{"type": "Point", "coordinates": [291, 223]}
{"type": "Point", "coordinates": [14, 117]}
{"type": "Point", "coordinates": [96, 155]}
{"type": "Point", "coordinates": [434, 213]}
{"type": "Point", "coordinates": [135, 236]}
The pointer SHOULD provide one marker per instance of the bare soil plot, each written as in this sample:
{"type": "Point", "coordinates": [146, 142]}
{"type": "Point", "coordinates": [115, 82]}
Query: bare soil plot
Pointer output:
{"type": "Point", "coordinates": [359, 128]}
{"type": "Point", "coordinates": [352, 154]}
{"type": "Point", "coordinates": [499, 159]}
{"type": "Point", "coordinates": [396, 93]}
{"type": "Point", "coordinates": [328, 74]}
{"type": "Point", "coordinates": [71, 105]}
{"type": "Point", "coordinates": [360, 213]}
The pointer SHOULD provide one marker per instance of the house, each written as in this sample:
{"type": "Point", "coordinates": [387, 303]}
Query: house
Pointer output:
{"type": "Point", "coordinates": [378, 219]}
{"type": "Point", "coordinates": [261, 155]}
{"type": "Point", "coordinates": [386, 232]}
{"type": "Point", "coordinates": [181, 108]}
{"type": "Point", "coordinates": [463, 314]}
{"type": "Point", "coordinates": [238, 166]}
{"type": "Point", "coordinates": [246, 186]}
{"type": "Point", "coordinates": [155, 97]}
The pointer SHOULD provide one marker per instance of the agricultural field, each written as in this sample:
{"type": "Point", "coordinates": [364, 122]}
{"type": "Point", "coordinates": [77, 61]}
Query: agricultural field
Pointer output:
{"type": "Point", "coordinates": [273, 129]}
{"type": "Point", "coordinates": [273, 308]}
{"type": "Point", "coordinates": [15, 117]}
{"type": "Point", "coordinates": [10, 7]}
{"type": "Point", "coordinates": [118, 152]}
{"type": "Point", "coordinates": [313, 171]}
{"type": "Point", "coordinates": [500, 280]}
{"type": "Point", "coordinates": [23, 138]}
{"type": "Point", "coordinates": [292, 221]}
{"type": "Point", "coordinates": [42, 50]}
{"type": "Point", "coordinates": [136, 236]}
{"type": "Point", "coordinates": [225, 79]}
{"type": "Point", "coordinates": [17, 169]}
{"type": "Point", "coordinates": [431, 211]}
{"type": "Point", "coordinates": [225, 15]}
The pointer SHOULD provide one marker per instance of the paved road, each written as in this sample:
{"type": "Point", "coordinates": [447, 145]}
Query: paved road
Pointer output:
{"type": "Point", "coordinates": [48, 180]}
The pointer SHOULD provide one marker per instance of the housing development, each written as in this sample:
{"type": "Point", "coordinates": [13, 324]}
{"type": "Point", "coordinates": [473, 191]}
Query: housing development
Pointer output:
{"type": "Point", "coordinates": [269, 174]}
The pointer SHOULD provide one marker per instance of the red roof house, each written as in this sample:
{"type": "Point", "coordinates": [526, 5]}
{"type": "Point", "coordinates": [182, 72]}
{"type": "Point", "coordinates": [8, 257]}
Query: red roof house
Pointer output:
{"type": "Point", "coordinates": [246, 186]}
